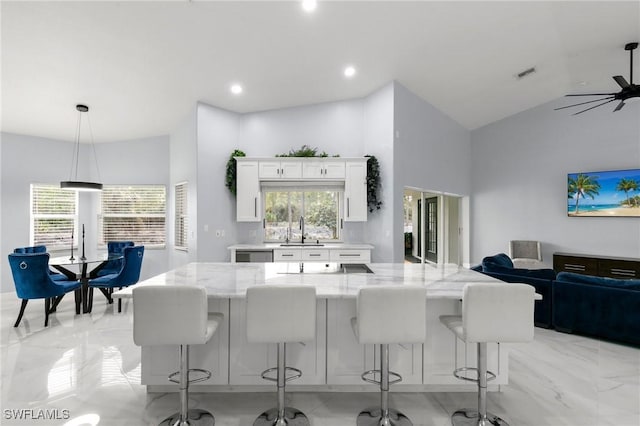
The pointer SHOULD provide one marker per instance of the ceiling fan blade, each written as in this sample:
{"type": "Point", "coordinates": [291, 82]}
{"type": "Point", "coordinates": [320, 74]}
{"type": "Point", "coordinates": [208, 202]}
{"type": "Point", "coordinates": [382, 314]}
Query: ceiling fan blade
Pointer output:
{"type": "Point", "coordinates": [582, 103]}
{"type": "Point", "coordinates": [596, 106]}
{"type": "Point", "coordinates": [593, 94]}
{"type": "Point", "coordinates": [621, 81]}
{"type": "Point", "coordinates": [619, 107]}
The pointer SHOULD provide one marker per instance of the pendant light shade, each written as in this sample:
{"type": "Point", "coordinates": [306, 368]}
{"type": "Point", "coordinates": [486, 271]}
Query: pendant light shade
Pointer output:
{"type": "Point", "coordinates": [73, 183]}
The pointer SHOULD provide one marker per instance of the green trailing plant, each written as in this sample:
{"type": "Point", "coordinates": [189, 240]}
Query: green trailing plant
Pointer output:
{"type": "Point", "coordinates": [305, 151]}
{"type": "Point", "coordinates": [373, 183]}
{"type": "Point", "coordinates": [230, 177]}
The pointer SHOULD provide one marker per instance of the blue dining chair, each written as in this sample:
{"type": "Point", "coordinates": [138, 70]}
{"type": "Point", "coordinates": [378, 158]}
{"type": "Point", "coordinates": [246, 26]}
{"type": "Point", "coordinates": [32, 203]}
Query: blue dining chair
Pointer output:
{"type": "Point", "coordinates": [114, 248]}
{"type": "Point", "coordinates": [128, 275]}
{"type": "Point", "coordinates": [32, 280]}
{"type": "Point", "coordinates": [40, 249]}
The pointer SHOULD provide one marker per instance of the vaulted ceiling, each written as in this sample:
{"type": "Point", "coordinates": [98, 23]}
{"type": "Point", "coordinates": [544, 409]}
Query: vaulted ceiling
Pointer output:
{"type": "Point", "coordinates": [142, 66]}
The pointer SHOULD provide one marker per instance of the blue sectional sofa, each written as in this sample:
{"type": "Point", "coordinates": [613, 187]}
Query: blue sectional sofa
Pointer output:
{"type": "Point", "coordinates": [600, 307]}
{"type": "Point", "coordinates": [501, 267]}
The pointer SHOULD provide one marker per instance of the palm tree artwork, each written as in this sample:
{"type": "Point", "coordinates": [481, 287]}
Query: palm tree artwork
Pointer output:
{"type": "Point", "coordinates": [582, 186]}
{"type": "Point", "coordinates": [627, 185]}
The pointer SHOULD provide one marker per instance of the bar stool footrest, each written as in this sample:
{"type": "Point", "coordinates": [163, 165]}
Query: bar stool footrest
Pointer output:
{"type": "Point", "coordinates": [206, 375]}
{"type": "Point", "coordinates": [296, 374]}
{"type": "Point", "coordinates": [366, 378]}
{"type": "Point", "coordinates": [458, 373]}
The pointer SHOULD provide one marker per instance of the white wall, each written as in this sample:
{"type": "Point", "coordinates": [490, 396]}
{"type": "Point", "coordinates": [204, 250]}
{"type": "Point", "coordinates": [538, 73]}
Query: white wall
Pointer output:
{"type": "Point", "coordinates": [28, 159]}
{"type": "Point", "coordinates": [431, 152]}
{"type": "Point", "coordinates": [519, 180]}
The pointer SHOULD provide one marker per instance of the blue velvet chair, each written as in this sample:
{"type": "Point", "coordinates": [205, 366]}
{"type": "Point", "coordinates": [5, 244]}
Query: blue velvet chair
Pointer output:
{"type": "Point", "coordinates": [32, 280]}
{"type": "Point", "coordinates": [40, 249]}
{"type": "Point", "coordinates": [129, 274]}
{"type": "Point", "coordinates": [114, 248]}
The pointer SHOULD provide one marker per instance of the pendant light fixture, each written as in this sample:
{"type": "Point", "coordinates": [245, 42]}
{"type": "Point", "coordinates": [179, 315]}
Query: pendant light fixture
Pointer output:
{"type": "Point", "coordinates": [73, 183]}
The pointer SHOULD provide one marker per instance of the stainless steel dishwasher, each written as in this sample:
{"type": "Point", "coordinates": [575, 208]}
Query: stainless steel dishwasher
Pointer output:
{"type": "Point", "coordinates": [243, 256]}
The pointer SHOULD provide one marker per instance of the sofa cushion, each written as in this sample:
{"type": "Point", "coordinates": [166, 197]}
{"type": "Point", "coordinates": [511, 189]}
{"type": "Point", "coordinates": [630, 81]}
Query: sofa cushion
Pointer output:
{"type": "Point", "coordinates": [500, 259]}
{"type": "Point", "coordinates": [542, 274]}
{"type": "Point", "coordinates": [630, 284]}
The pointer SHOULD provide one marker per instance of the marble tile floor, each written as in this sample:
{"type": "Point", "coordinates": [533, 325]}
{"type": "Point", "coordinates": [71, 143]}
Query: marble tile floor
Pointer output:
{"type": "Point", "coordinates": [86, 368]}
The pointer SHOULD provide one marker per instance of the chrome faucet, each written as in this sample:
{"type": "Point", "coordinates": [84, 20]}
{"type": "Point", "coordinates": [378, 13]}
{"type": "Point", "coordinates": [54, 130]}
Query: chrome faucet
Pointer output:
{"type": "Point", "coordinates": [302, 228]}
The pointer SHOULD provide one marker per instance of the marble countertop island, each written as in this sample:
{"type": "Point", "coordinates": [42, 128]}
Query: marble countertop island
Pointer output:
{"type": "Point", "coordinates": [231, 280]}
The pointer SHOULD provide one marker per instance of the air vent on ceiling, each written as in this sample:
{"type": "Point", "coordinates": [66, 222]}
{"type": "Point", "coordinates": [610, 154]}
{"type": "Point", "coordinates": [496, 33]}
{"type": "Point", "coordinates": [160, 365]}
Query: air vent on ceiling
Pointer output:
{"type": "Point", "coordinates": [523, 74]}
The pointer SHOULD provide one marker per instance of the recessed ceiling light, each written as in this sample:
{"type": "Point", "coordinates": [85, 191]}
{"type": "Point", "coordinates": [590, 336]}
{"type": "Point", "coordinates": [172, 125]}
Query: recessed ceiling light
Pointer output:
{"type": "Point", "coordinates": [309, 5]}
{"type": "Point", "coordinates": [349, 71]}
{"type": "Point", "coordinates": [236, 89]}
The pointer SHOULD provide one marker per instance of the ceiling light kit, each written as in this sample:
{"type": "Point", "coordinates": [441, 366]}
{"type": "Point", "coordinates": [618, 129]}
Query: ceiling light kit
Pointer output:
{"type": "Point", "coordinates": [349, 71]}
{"type": "Point", "coordinates": [629, 90]}
{"type": "Point", "coordinates": [236, 89]}
{"type": "Point", "coordinates": [309, 5]}
{"type": "Point", "coordinates": [75, 184]}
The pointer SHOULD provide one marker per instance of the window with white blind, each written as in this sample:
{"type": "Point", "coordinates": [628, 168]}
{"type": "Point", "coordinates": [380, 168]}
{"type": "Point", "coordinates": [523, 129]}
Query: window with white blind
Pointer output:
{"type": "Point", "coordinates": [54, 216]}
{"type": "Point", "coordinates": [133, 213]}
{"type": "Point", "coordinates": [181, 216]}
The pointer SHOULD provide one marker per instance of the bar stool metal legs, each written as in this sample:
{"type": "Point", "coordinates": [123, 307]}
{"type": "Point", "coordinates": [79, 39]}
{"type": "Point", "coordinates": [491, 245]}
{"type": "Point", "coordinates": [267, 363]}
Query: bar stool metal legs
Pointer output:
{"type": "Point", "coordinates": [383, 415]}
{"type": "Point", "coordinates": [186, 416]}
{"type": "Point", "coordinates": [480, 416]}
{"type": "Point", "coordinates": [281, 415]}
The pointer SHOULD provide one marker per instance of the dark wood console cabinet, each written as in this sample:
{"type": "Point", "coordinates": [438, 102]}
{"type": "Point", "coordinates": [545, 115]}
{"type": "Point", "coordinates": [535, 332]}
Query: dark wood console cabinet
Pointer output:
{"type": "Point", "coordinates": [600, 266]}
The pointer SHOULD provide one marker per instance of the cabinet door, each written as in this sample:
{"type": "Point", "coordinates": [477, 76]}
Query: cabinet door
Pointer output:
{"type": "Point", "coordinates": [270, 170]}
{"type": "Point", "coordinates": [346, 358]}
{"type": "Point", "coordinates": [312, 170]}
{"type": "Point", "coordinates": [291, 169]}
{"type": "Point", "coordinates": [248, 205]}
{"type": "Point", "coordinates": [355, 192]}
{"type": "Point", "coordinates": [249, 360]}
{"type": "Point", "coordinates": [334, 170]}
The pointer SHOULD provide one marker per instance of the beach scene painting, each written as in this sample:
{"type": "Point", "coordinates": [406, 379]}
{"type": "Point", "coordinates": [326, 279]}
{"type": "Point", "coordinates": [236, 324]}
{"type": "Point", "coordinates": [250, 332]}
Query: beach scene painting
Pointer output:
{"type": "Point", "coordinates": [609, 193]}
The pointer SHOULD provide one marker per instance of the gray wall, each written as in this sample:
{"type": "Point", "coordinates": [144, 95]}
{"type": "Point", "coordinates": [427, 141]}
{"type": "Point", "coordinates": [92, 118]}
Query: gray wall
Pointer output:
{"type": "Point", "coordinates": [183, 154]}
{"type": "Point", "coordinates": [378, 141]}
{"type": "Point", "coordinates": [28, 159]}
{"type": "Point", "coordinates": [217, 138]}
{"type": "Point", "coordinates": [519, 180]}
{"type": "Point", "coordinates": [431, 152]}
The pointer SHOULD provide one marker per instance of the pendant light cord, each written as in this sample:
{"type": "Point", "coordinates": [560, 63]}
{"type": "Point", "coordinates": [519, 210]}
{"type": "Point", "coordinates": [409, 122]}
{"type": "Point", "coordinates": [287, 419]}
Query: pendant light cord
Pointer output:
{"type": "Point", "coordinates": [93, 146]}
{"type": "Point", "coordinates": [75, 160]}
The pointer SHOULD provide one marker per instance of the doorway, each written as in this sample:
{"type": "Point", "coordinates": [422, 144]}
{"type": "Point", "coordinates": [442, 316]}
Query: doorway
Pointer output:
{"type": "Point", "coordinates": [433, 227]}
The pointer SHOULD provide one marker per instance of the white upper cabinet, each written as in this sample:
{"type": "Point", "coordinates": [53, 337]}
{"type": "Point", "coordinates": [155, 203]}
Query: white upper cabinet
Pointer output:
{"type": "Point", "coordinates": [323, 169]}
{"type": "Point", "coordinates": [280, 169]}
{"type": "Point", "coordinates": [248, 205]}
{"type": "Point", "coordinates": [252, 171]}
{"type": "Point", "coordinates": [355, 191]}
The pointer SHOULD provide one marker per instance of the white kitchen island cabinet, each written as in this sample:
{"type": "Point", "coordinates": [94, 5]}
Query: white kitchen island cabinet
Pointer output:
{"type": "Point", "coordinates": [335, 360]}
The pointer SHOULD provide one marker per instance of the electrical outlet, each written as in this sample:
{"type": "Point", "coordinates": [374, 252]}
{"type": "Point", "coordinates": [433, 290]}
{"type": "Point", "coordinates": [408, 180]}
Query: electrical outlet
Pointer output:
{"type": "Point", "coordinates": [222, 233]}
{"type": "Point", "coordinates": [206, 228]}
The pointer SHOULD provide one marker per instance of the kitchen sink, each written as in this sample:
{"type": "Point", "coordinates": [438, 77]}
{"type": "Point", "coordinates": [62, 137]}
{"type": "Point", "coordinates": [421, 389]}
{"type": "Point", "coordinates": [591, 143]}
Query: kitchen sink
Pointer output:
{"type": "Point", "coordinates": [302, 245]}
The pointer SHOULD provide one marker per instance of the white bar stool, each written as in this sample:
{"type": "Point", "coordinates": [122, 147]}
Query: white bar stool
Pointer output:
{"type": "Point", "coordinates": [281, 314]}
{"type": "Point", "coordinates": [176, 315]}
{"type": "Point", "coordinates": [490, 313]}
{"type": "Point", "coordinates": [385, 315]}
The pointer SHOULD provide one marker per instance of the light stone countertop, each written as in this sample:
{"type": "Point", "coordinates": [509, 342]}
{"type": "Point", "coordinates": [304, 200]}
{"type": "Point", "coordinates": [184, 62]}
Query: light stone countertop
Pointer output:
{"type": "Point", "coordinates": [231, 280]}
{"type": "Point", "coordinates": [271, 246]}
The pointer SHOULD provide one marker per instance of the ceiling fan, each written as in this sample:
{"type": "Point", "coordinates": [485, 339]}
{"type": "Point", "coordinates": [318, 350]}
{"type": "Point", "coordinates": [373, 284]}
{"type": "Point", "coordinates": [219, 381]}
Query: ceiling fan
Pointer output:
{"type": "Point", "coordinates": [629, 90]}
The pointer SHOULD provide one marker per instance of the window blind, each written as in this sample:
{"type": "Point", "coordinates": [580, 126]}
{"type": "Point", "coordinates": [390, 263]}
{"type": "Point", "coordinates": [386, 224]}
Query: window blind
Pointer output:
{"type": "Point", "coordinates": [181, 218]}
{"type": "Point", "coordinates": [133, 212]}
{"type": "Point", "coordinates": [54, 216]}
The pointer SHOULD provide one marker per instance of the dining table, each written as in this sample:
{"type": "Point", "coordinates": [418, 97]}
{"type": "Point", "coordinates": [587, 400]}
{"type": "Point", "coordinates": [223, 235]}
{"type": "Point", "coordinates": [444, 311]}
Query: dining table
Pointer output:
{"type": "Point", "coordinates": [85, 269]}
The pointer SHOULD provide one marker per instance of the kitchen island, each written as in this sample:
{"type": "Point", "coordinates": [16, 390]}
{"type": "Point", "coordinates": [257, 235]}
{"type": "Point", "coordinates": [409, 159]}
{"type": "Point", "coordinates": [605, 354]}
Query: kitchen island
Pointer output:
{"type": "Point", "coordinates": [335, 360]}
